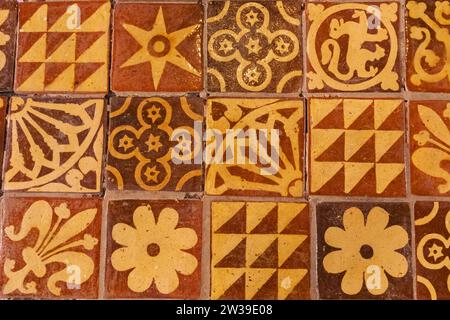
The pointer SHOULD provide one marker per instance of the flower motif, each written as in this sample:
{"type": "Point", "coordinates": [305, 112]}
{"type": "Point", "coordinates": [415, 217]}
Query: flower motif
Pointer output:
{"type": "Point", "coordinates": [154, 250]}
{"type": "Point", "coordinates": [366, 249]}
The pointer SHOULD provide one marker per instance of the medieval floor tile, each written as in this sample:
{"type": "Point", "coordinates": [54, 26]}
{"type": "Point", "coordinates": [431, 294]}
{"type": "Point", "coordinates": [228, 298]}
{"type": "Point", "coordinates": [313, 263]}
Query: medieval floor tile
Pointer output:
{"type": "Point", "coordinates": [254, 147]}
{"type": "Point", "coordinates": [364, 250]}
{"type": "Point", "coordinates": [260, 250]}
{"type": "Point", "coordinates": [154, 249]}
{"type": "Point", "coordinates": [8, 17]}
{"type": "Point", "coordinates": [429, 127]}
{"type": "Point", "coordinates": [157, 47]}
{"type": "Point", "coordinates": [254, 46]}
{"type": "Point", "coordinates": [3, 107]}
{"type": "Point", "coordinates": [353, 47]}
{"type": "Point", "coordinates": [63, 47]}
{"type": "Point", "coordinates": [357, 147]}
{"type": "Point", "coordinates": [155, 144]}
{"type": "Point", "coordinates": [60, 257]}
{"type": "Point", "coordinates": [428, 45]}
{"type": "Point", "coordinates": [432, 225]}
{"type": "Point", "coordinates": [54, 145]}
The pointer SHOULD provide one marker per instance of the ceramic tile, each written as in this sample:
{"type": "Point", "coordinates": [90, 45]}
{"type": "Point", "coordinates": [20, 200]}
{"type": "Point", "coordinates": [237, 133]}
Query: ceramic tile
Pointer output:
{"type": "Point", "coordinates": [3, 107]}
{"type": "Point", "coordinates": [430, 147]}
{"type": "Point", "coordinates": [154, 249]}
{"type": "Point", "coordinates": [54, 145]}
{"type": "Point", "coordinates": [260, 250]}
{"type": "Point", "coordinates": [353, 47]}
{"type": "Point", "coordinates": [154, 144]}
{"type": "Point", "coordinates": [432, 226]}
{"type": "Point", "coordinates": [157, 47]}
{"type": "Point", "coordinates": [8, 17]}
{"type": "Point", "coordinates": [59, 258]}
{"type": "Point", "coordinates": [63, 47]}
{"type": "Point", "coordinates": [357, 147]}
{"type": "Point", "coordinates": [254, 147]}
{"type": "Point", "coordinates": [254, 46]}
{"type": "Point", "coordinates": [428, 46]}
{"type": "Point", "coordinates": [364, 250]}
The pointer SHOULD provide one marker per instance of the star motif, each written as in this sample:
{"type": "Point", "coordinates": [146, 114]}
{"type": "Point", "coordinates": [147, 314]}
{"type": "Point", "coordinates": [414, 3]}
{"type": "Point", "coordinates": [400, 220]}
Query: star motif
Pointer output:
{"type": "Point", "coordinates": [153, 143]}
{"type": "Point", "coordinates": [253, 46]}
{"type": "Point", "coordinates": [253, 75]}
{"type": "Point", "coordinates": [151, 174]}
{"type": "Point", "coordinates": [153, 113]}
{"type": "Point", "coordinates": [159, 47]}
{"type": "Point", "coordinates": [281, 46]}
{"type": "Point", "coordinates": [251, 17]}
{"type": "Point", "coordinates": [225, 46]}
{"type": "Point", "coordinates": [435, 252]}
{"type": "Point", "coordinates": [126, 143]}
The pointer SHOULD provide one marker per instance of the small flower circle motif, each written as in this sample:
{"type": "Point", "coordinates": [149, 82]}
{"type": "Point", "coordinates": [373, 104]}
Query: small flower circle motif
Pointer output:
{"type": "Point", "coordinates": [154, 250]}
{"type": "Point", "coordinates": [366, 251]}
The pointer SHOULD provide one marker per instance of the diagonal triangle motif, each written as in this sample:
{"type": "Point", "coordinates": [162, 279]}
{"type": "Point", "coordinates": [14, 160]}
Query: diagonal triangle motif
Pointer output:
{"type": "Point", "coordinates": [354, 140]}
{"type": "Point", "coordinates": [36, 53]}
{"type": "Point", "coordinates": [268, 225]}
{"type": "Point", "coordinates": [384, 140]}
{"type": "Point", "coordinates": [35, 81]}
{"type": "Point", "coordinates": [354, 172]}
{"type": "Point", "coordinates": [230, 254]}
{"type": "Point", "coordinates": [256, 211]}
{"type": "Point", "coordinates": [37, 22]}
{"type": "Point", "coordinates": [65, 52]}
{"type": "Point", "coordinates": [64, 81]}
{"type": "Point", "coordinates": [269, 289]}
{"type": "Point", "coordinates": [353, 109]}
{"type": "Point", "coordinates": [54, 41]}
{"type": "Point", "coordinates": [383, 109]}
{"type": "Point", "coordinates": [232, 282]}
{"type": "Point", "coordinates": [53, 71]}
{"type": "Point", "coordinates": [322, 172]}
{"type": "Point", "coordinates": [257, 245]}
{"type": "Point", "coordinates": [89, 46]}
{"type": "Point", "coordinates": [322, 139]}
{"type": "Point", "coordinates": [96, 82]}
{"type": "Point", "coordinates": [96, 21]}
{"type": "Point", "coordinates": [386, 173]}
{"type": "Point", "coordinates": [321, 108]}
{"type": "Point", "coordinates": [269, 258]}
{"type": "Point", "coordinates": [287, 244]}
{"type": "Point", "coordinates": [288, 279]}
{"type": "Point", "coordinates": [223, 212]}
{"type": "Point", "coordinates": [255, 280]}
{"type": "Point", "coordinates": [287, 212]}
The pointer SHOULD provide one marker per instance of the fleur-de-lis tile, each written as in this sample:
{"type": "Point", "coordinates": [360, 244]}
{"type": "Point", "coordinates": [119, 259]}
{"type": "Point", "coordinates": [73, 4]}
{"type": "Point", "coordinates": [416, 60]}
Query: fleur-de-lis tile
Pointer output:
{"type": "Point", "coordinates": [8, 17]}
{"type": "Point", "coordinates": [50, 247]}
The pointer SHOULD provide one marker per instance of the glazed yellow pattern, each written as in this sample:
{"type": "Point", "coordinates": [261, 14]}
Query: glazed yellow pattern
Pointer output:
{"type": "Point", "coordinates": [4, 38]}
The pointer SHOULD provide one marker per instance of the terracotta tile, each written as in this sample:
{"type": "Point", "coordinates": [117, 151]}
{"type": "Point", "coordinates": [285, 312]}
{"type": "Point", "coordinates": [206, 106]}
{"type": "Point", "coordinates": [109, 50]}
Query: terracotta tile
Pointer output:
{"type": "Point", "coordinates": [254, 46]}
{"type": "Point", "coordinates": [260, 250]}
{"type": "Point", "coordinates": [364, 250]}
{"type": "Point", "coordinates": [143, 150]}
{"type": "Point", "coordinates": [269, 166]}
{"type": "Point", "coordinates": [432, 225]}
{"type": "Point", "coordinates": [54, 145]}
{"type": "Point", "coordinates": [63, 47]}
{"type": "Point", "coordinates": [3, 107]}
{"type": "Point", "coordinates": [353, 46]}
{"type": "Point", "coordinates": [430, 147]}
{"type": "Point", "coordinates": [60, 258]}
{"type": "Point", "coordinates": [8, 17]}
{"type": "Point", "coordinates": [428, 45]}
{"type": "Point", "coordinates": [157, 47]}
{"type": "Point", "coordinates": [154, 249]}
{"type": "Point", "coordinates": [357, 147]}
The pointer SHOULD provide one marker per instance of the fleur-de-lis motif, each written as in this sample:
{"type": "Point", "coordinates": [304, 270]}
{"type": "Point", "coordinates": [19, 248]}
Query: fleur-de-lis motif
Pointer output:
{"type": "Point", "coordinates": [58, 242]}
{"type": "Point", "coordinates": [4, 38]}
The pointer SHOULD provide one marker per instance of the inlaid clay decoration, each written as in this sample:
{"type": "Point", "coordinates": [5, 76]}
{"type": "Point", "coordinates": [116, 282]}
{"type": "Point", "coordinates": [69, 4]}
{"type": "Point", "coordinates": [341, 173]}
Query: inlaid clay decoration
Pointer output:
{"type": "Point", "coordinates": [428, 45]}
{"type": "Point", "coordinates": [63, 47]}
{"type": "Point", "coordinates": [8, 17]}
{"type": "Point", "coordinates": [54, 145]}
{"type": "Point", "coordinates": [353, 47]}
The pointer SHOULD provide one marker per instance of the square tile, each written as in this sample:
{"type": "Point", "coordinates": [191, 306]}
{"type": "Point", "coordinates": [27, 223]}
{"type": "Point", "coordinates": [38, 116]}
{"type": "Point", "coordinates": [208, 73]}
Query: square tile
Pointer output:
{"type": "Point", "coordinates": [428, 46]}
{"type": "Point", "coordinates": [155, 144]}
{"type": "Point", "coordinates": [357, 147]}
{"type": "Point", "coordinates": [432, 226]}
{"type": "Point", "coordinates": [254, 46]}
{"type": "Point", "coordinates": [8, 20]}
{"type": "Point", "coordinates": [50, 247]}
{"type": "Point", "coordinates": [260, 250]}
{"type": "Point", "coordinates": [353, 47]}
{"type": "Point", "coordinates": [63, 47]}
{"type": "Point", "coordinates": [157, 47]}
{"type": "Point", "coordinates": [429, 142]}
{"type": "Point", "coordinates": [154, 249]}
{"type": "Point", "coordinates": [364, 250]}
{"type": "Point", "coordinates": [254, 147]}
{"type": "Point", "coordinates": [54, 145]}
{"type": "Point", "coordinates": [3, 107]}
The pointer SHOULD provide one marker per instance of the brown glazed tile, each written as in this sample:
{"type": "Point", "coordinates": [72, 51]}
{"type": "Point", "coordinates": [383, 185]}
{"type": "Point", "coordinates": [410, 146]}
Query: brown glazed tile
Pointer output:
{"type": "Point", "coordinates": [157, 47]}
{"type": "Point", "coordinates": [428, 46]}
{"type": "Point", "coordinates": [63, 47]}
{"type": "Point", "coordinates": [353, 47]}
{"type": "Point", "coordinates": [8, 17]}
{"type": "Point", "coordinates": [54, 145]}
{"type": "Point", "coordinates": [260, 250]}
{"type": "Point", "coordinates": [3, 107]}
{"type": "Point", "coordinates": [269, 166]}
{"type": "Point", "coordinates": [364, 250]}
{"type": "Point", "coordinates": [254, 46]}
{"type": "Point", "coordinates": [150, 144]}
{"type": "Point", "coordinates": [432, 225]}
{"type": "Point", "coordinates": [429, 127]}
{"type": "Point", "coordinates": [154, 249]}
{"type": "Point", "coordinates": [357, 147]}
{"type": "Point", "coordinates": [50, 247]}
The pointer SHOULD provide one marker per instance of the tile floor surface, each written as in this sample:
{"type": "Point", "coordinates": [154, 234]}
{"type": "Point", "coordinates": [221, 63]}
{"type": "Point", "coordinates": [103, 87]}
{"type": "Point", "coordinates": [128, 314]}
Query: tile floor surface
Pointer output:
{"type": "Point", "coordinates": [118, 179]}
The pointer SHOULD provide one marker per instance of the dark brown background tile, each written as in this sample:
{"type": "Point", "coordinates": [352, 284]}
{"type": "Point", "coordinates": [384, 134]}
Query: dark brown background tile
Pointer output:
{"type": "Point", "coordinates": [8, 20]}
